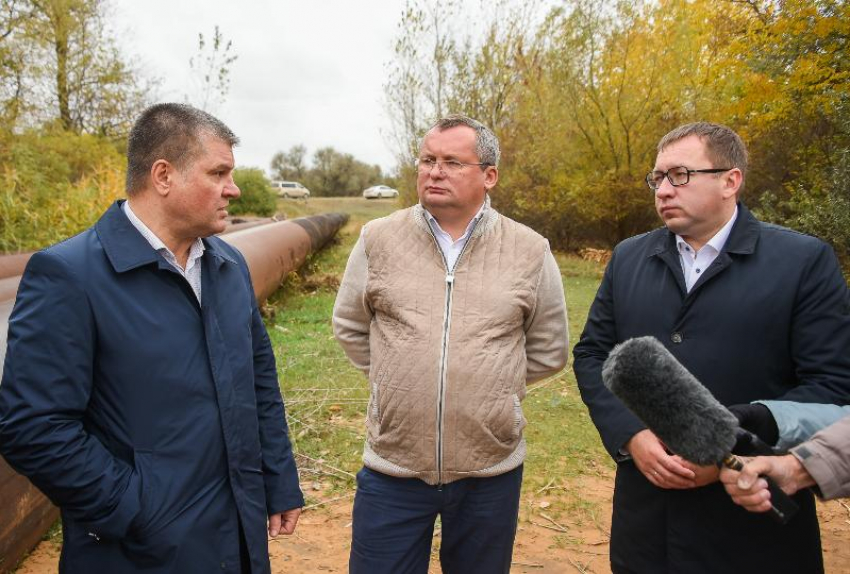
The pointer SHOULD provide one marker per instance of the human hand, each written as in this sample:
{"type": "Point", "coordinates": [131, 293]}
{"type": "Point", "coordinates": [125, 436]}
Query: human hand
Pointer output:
{"type": "Point", "coordinates": [283, 522]}
{"type": "Point", "coordinates": [749, 490]}
{"type": "Point", "coordinates": [757, 418]}
{"type": "Point", "coordinates": [702, 474]}
{"type": "Point", "coordinates": [660, 468]}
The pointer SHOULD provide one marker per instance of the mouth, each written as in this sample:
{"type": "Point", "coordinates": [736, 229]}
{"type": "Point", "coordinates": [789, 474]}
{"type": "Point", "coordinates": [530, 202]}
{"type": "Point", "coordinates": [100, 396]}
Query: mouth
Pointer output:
{"type": "Point", "coordinates": [435, 189]}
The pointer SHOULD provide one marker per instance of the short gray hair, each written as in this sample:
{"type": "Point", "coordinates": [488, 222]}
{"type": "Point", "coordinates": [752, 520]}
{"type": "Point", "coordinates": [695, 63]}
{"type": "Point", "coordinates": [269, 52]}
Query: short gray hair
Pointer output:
{"type": "Point", "coordinates": [171, 132]}
{"type": "Point", "coordinates": [486, 142]}
{"type": "Point", "coordinates": [723, 146]}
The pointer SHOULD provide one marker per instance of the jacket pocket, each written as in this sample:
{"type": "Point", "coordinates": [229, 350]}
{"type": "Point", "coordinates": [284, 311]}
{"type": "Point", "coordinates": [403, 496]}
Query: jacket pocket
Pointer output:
{"type": "Point", "coordinates": [145, 546]}
{"type": "Point", "coordinates": [375, 405]}
{"type": "Point", "coordinates": [519, 420]}
{"type": "Point", "coordinates": [506, 423]}
{"type": "Point", "coordinates": [143, 464]}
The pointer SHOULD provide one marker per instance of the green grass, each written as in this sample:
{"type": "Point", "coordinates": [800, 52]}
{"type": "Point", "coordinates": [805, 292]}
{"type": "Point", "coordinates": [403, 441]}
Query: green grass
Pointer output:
{"type": "Point", "coordinates": [326, 397]}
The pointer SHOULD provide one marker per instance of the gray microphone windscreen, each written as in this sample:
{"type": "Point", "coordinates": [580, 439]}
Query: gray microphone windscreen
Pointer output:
{"type": "Point", "coordinates": [669, 400]}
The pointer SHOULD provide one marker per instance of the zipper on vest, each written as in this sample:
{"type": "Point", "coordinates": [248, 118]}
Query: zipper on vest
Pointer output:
{"type": "Point", "coordinates": [447, 323]}
{"type": "Point", "coordinates": [444, 351]}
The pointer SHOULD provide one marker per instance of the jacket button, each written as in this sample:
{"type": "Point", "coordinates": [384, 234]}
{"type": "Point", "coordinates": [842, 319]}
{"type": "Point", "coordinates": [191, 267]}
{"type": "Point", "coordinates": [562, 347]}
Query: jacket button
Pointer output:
{"type": "Point", "coordinates": [223, 565]}
{"type": "Point", "coordinates": [676, 337]}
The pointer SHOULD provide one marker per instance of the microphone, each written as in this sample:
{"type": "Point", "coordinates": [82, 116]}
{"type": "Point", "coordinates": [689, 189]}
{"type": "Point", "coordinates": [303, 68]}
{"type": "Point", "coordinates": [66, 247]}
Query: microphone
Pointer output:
{"type": "Point", "coordinates": [675, 406]}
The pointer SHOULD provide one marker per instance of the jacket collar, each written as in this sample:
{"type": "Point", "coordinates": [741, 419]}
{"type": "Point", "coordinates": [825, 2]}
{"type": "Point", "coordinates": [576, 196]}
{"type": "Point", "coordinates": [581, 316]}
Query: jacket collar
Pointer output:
{"type": "Point", "coordinates": [742, 239]}
{"type": "Point", "coordinates": [127, 249]}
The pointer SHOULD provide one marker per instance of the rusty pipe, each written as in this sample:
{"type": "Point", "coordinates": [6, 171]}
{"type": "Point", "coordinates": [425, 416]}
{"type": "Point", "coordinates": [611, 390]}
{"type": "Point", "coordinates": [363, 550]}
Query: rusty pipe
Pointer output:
{"type": "Point", "coordinates": [13, 264]}
{"type": "Point", "coordinates": [274, 250]}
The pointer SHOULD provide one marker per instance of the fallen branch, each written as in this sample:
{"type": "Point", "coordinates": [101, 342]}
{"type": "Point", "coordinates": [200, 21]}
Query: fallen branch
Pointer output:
{"type": "Point", "coordinates": [546, 487]}
{"type": "Point", "coordinates": [547, 526]}
{"type": "Point", "coordinates": [561, 526]}
{"type": "Point", "coordinates": [581, 568]}
{"type": "Point", "coordinates": [328, 501]}
{"type": "Point", "coordinates": [323, 463]}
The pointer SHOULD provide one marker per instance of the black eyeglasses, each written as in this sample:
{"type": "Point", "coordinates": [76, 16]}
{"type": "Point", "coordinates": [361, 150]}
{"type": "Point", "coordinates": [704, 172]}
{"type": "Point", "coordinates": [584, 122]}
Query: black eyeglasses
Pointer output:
{"type": "Point", "coordinates": [446, 166]}
{"type": "Point", "coordinates": [677, 176]}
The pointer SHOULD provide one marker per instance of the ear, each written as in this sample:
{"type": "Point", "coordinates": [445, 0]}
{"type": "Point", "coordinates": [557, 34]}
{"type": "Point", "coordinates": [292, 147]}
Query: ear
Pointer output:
{"type": "Point", "coordinates": [162, 176]}
{"type": "Point", "coordinates": [732, 181]}
{"type": "Point", "coordinates": [491, 177]}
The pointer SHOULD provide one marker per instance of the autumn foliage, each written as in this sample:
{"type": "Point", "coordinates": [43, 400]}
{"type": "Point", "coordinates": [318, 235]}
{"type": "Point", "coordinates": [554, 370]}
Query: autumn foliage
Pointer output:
{"type": "Point", "coordinates": [581, 94]}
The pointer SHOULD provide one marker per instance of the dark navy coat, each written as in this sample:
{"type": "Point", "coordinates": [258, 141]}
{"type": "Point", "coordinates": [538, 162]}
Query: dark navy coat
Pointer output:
{"type": "Point", "coordinates": [769, 319]}
{"type": "Point", "coordinates": [155, 423]}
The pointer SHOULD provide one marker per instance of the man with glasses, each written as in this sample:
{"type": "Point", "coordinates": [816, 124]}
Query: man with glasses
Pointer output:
{"type": "Point", "coordinates": [755, 311]}
{"type": "Point", "coordinates": [450, 309]}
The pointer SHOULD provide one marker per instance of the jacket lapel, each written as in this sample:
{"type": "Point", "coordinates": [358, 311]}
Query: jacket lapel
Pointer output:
{"type": "Point", "coordinates": [742, 241]}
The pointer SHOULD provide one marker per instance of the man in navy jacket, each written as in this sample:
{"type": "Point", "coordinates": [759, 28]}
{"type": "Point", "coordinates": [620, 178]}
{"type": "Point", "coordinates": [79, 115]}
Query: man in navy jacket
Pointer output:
{"type": "Point", "coordinates": [139, 391]}
{"type": "Point", "coordinates": [755, 311]}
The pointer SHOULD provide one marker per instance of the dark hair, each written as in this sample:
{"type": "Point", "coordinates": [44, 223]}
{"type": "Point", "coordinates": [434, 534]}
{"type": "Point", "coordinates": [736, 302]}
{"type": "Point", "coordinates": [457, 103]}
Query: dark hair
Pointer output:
{"type": "Point", "coordinates": [171, 132]}
{"type": "Point", "coordinates": [486, 142]}
{"type": "Point", "coordinates": [723, 146]}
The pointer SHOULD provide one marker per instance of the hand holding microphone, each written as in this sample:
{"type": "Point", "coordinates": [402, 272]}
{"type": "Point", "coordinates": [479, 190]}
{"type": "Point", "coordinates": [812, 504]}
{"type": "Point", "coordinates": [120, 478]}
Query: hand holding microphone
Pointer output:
{"type": "Point", "coordinates": [683, 414]}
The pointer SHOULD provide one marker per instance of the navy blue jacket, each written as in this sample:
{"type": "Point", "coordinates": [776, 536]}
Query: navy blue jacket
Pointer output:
{"type": "Point", "coordinates": [769, 319]}
{"type": "Point", "coordinates": [155, 423]}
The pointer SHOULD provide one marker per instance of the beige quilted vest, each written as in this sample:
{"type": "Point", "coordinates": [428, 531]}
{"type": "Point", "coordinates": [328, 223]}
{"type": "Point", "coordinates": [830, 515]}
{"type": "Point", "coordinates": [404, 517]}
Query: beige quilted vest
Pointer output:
{"type": "Point", "coordinates": [447, 352]}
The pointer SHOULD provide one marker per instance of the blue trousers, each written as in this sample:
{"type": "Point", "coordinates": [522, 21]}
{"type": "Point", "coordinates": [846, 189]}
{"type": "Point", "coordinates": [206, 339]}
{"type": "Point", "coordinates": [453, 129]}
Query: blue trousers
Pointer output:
{"type": "Point", "coordinates": [394, 524]}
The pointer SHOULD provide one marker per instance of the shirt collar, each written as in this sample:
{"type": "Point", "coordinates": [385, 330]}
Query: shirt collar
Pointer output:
{"type": "Point", "coordinates": [435, 225]}
{"type": "Point", "coordinates": [195, 251]}
{"type": "Point", "coordinates": [719, 240]}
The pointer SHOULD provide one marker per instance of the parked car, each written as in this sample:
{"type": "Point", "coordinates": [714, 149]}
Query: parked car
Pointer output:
{"type": "Point", "coordinates": [379, 191]}
{"type": "Point", "coordinates": [290, 189]}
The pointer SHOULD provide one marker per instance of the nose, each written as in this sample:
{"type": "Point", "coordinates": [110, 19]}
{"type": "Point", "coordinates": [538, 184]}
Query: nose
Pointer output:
{"type": "Point", "coordinates": [666, 189]}
{"type": "Point", "coordinates": [439, 169]}
{"type": "Point", "coordinates": [231, 190]}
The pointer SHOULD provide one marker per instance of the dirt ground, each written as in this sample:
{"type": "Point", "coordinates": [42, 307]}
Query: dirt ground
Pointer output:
{"type": "Point", "coordinates": [547, 542]}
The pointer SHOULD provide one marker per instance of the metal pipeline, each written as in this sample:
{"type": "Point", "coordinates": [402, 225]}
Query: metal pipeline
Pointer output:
{"type": "Point", "coordinates": [13, 264]}
{"type": "Point", "coordinates": [272, 251]}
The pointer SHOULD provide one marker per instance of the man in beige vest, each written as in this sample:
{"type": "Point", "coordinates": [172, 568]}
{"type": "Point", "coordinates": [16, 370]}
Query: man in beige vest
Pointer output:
{"type": "Point", "coordinates": [450, 309]}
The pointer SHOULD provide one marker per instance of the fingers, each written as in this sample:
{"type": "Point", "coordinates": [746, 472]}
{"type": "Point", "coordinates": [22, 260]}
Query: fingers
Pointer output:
{"type": "Point", "coordinates": [703, 474]}
{"type": "Point", "coordinates": [751, 471]}
{"type": "Point", "coordinates": [754, 499]}
{"type": "Point", "coordinates": [290, 520]}
{"type": "Point", "coordinates": [274, 525]}
{"type": "Point", "coordinates": [746, 488]}
{"type": "Point", "coordinates": [660, 468]}
{"type": "Point", "coordinates": [666, 472]}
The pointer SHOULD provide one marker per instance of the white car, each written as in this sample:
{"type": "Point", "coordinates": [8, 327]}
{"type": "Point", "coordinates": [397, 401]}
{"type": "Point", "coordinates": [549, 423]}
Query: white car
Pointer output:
{"type": "Point", "coordinates": [379, 191]}
{"type": "Point", "coordinates": [290, 189]}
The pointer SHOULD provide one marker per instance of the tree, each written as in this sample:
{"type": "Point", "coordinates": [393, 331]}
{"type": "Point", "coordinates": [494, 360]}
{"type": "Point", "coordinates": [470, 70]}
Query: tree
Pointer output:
{"type": "Point", "coordinates": [93, 90]}
{"type": "Point", "coordinates": [290, 165]}
{"type": "Point", "coordinates": [211, 70]}
{"type": "Point", "coordinates": [340, 174]}
{"type": "Point", "coordinates": [417, 89]}
{"type": "Point", "coordinates": [13, 64]}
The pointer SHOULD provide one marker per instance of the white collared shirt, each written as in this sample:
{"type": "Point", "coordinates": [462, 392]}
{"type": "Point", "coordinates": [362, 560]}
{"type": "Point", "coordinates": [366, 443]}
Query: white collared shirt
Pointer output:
{"type": "Point", "coordinates": [452, 249]}
{"type": "Point", "coordinates": [694, 263]}
{"type": "Point", "coordinates": [192, 273]}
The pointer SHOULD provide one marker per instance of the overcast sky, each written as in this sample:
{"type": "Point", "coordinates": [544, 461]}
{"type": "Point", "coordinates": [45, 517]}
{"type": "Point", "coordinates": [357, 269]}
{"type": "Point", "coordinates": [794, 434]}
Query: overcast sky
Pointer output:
{"type": "Point", "coordinates": [307, 73]}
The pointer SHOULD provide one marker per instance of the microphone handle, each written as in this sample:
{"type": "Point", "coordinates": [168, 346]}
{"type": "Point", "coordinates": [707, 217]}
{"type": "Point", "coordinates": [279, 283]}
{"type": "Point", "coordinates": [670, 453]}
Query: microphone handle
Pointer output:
{"type": "Point", "coordinates": [783, 508]}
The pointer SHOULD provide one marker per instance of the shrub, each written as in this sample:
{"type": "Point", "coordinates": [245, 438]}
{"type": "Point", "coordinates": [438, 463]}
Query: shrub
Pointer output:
{"type": "Point", "coordinates": [257, 197]}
